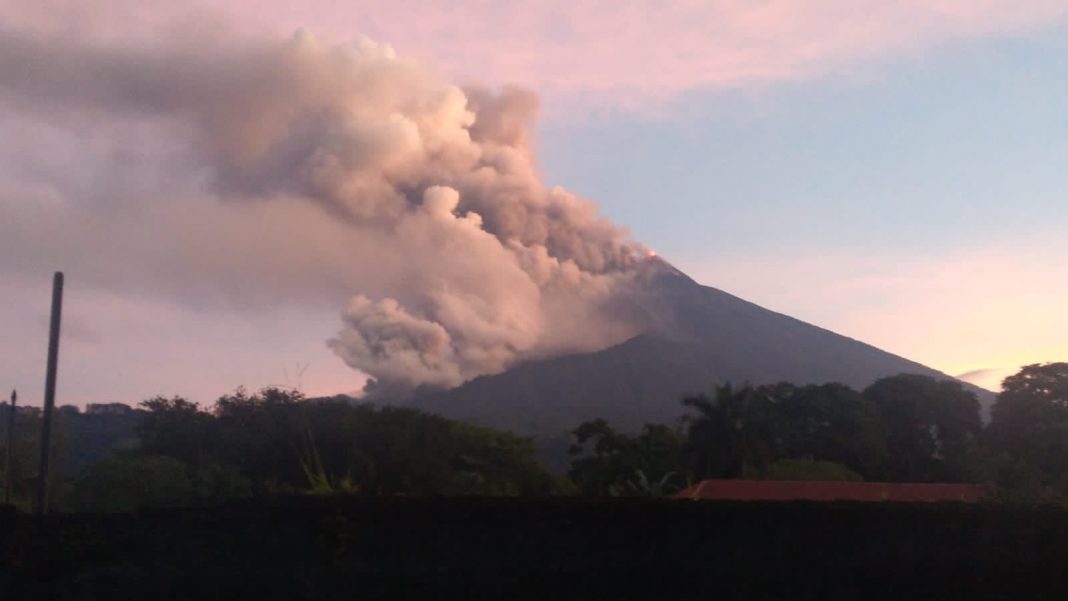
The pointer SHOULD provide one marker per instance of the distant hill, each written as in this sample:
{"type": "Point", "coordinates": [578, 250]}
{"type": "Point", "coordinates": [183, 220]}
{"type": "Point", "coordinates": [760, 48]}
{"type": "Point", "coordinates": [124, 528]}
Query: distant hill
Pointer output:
{"type": "Point", "coordinates": [700, 336]}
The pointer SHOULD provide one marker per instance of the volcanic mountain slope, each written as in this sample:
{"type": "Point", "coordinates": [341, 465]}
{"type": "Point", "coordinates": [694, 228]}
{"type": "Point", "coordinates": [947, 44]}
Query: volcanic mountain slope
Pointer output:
{"type": "Point", "coordinates": [701, 337]}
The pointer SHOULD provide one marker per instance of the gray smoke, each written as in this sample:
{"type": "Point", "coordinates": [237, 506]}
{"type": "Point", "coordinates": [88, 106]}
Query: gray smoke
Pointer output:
{"type": "Point", "coordinates": [418, 199]}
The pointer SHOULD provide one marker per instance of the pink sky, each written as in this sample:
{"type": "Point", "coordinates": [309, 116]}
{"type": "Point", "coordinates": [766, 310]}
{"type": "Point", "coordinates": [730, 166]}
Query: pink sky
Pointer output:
{"type": "Point", "coordinates": [978, 313]}
{"type": "Point", "coordinates": [603, 55]}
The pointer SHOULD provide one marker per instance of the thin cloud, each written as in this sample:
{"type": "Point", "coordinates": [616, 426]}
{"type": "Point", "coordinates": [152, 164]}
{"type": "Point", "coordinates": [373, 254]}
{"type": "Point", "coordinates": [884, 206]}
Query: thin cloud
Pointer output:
{"type": "Point", "coordinates": [977, 374]}
{"type": "Point", "coordinates": [605, 54]}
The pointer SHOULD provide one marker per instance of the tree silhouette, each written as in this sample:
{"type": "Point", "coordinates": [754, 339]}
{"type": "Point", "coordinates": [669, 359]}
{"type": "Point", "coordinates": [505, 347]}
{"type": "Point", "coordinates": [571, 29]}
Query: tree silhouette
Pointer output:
{"type": "Point", "coordinates": [932, 426]}
{"type": "Point", "coordinates": [729, 432]}
{"type": "Point", "coordinates": [621, 464]}
{"type": "Point", "coordinates": [1028, 431]}
{"type": "Point", "coordinates": [829, 422]}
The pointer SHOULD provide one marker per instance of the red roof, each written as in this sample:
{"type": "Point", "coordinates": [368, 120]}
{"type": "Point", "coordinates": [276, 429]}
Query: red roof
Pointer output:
{"type": "Point", "coordinates": [790, 490]}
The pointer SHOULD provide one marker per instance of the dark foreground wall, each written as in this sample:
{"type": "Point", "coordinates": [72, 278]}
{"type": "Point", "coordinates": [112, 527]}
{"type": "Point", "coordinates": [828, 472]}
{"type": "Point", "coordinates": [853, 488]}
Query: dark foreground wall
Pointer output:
{"type": "Point", "coordinates": [541, 549]}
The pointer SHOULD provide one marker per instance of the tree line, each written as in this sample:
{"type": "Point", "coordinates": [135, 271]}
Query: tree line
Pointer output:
{"type": "Point", "coordinates": [906, 428]}
{"type": "Point", "coordinates": [276, 442]}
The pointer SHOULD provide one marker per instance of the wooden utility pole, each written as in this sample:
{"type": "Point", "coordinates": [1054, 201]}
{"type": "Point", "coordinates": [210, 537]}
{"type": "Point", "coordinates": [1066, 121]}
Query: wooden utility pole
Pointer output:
{"type": "Point", "coordinates": [10, 442]}
{"type": "Point", "coordinates": [41, 500]}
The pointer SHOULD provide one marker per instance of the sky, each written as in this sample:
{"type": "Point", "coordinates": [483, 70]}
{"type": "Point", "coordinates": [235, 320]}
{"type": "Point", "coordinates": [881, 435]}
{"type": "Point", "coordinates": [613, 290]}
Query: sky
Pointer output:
{"type": "Point", "coordinates": [893, 172]}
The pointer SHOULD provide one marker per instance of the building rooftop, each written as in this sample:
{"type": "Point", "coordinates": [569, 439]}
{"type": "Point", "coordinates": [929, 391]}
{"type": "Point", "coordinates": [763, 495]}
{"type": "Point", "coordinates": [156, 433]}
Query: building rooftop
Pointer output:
{"type": "Point", "coordinates": [790, 490]}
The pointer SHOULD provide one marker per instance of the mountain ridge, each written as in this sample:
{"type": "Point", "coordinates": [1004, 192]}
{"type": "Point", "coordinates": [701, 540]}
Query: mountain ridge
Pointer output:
{"type": "Point", "coordinates": [698, 337]}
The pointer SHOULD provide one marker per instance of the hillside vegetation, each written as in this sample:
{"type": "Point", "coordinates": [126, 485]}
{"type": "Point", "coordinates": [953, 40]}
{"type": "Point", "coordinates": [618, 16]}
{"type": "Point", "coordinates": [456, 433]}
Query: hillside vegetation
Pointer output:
{"type": "Point", "coordinates": [909, 428]}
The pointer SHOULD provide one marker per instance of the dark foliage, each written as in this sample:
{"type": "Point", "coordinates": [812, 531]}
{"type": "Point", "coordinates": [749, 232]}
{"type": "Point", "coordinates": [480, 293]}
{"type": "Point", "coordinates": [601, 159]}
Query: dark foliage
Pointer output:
{"type": "Point", "coordinates": [170, 452]}
{"type": "Point", "coordinates": [282, 443]}
{"type": "Point", "coordinates": [932, 427]}
{"type": "Point", "coordinates": [1028, 432]}
{"type": "Point", "coordinates": [749, 431]}
{"type": "Point", "coordinates": [607, 462]}
{"type": "Point", "coordinates": [830, 423]}
{"type": "Point", "coordinates": [129, 481]}
{"type": "Point", "coordinates": [904, 428]}
{"type": "Point", "coordinates": [731, 431]}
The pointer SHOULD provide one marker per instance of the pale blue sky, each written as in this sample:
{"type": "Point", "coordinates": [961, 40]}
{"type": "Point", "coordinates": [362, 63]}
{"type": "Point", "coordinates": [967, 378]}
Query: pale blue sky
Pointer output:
{"type": "Point", "coordinates": [964, 145]}
{"type": "Point", "coordinates": [906, 169]}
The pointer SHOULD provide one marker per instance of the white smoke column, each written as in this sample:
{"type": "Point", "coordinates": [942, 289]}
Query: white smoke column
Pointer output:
{"type": "Point", "coordinates": [465, 262]}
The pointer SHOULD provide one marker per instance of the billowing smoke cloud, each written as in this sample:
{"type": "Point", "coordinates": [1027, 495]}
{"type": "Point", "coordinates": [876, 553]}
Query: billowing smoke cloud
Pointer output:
{"type": "Point", "coordinates": [419, 199]}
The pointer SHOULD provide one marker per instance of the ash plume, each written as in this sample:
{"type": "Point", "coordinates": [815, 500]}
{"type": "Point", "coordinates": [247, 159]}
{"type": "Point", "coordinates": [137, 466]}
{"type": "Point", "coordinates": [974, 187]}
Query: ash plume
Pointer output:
{"type": "Point", "coordinates": [417, 199]}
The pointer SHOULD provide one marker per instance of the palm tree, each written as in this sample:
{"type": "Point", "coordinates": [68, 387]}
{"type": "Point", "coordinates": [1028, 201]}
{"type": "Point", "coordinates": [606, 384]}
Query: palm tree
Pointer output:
{"type": "Point", "coordinates": [727, 433]}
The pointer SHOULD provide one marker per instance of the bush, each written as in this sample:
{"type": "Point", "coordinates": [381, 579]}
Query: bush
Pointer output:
{"type": "Point", "coordinates": [125, 483]}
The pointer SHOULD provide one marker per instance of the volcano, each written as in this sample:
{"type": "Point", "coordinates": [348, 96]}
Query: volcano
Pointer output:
{"type": "Point", "coordinates": [698, 337]}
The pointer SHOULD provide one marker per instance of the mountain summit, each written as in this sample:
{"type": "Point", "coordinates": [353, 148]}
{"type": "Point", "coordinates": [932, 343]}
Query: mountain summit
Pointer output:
{"type": "Point", "coordinates": [698, 337]}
